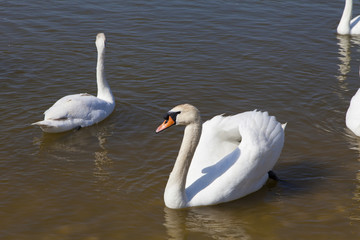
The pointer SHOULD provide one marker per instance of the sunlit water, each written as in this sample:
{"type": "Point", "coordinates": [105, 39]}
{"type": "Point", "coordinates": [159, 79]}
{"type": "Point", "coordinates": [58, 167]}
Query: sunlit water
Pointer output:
{"type": "Point", "coordinates": [107, 181]}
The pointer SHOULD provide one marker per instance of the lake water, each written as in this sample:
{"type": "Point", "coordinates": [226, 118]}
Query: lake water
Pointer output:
{"type": "Point", "coordinates": [107, 181]}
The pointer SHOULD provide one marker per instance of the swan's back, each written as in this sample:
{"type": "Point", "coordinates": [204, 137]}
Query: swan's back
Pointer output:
{"type": "Point", "coordinates": [233, 157]}
{"type": "Point", "coordinates": [353, 114]}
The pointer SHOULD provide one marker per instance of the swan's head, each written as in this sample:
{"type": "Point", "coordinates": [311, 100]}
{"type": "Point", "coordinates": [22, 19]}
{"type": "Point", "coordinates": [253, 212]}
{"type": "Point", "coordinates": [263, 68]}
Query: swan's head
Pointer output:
{"type": "Point", "coordinates": [183, 114]}
{"type": "Point", "coordinates": [100, 40]}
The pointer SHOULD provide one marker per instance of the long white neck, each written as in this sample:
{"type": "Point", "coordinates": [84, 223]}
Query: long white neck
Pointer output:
{"type": "Point", "coordinates": [174, 195]}
{"type": "Point", "coordinates": [344, 24]}
{"type": "Point", "coordinates": [104, 91]}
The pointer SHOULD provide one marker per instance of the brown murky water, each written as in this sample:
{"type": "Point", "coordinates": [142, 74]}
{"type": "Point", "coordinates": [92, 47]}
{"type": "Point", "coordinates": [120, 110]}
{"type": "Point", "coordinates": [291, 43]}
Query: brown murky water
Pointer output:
{"type": "Point", "coordinates": [107, 181]}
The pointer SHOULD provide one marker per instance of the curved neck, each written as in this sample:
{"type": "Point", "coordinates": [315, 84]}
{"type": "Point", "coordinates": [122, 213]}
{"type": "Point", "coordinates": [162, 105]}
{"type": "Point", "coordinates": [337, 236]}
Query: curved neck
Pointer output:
{"type": "Point", "coordinates": [104, 91]}
{"type": "Point", "coordinates": [174, 195]}
{"type": "Point", "coordinates": [344, 24]}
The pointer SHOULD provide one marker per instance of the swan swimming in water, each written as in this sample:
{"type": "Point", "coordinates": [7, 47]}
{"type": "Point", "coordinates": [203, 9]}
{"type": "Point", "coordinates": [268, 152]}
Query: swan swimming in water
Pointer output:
{"type": "Point", "coordinates": [348, 26]}
{"type": "Point", "coordinates": [223, 159]}
{"type": "Point", "coordinates": [82, 110]}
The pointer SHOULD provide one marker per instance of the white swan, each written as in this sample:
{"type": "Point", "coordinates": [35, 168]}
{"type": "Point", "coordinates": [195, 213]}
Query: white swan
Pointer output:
{"type": "Point", "coordinates": [352, 118]}
{"type": "Point", "coordinates": [82, 110]}
{"type": "Point", "coordinates": [348, 26]}
{"type": "Point", "coordinates": [222, 160]}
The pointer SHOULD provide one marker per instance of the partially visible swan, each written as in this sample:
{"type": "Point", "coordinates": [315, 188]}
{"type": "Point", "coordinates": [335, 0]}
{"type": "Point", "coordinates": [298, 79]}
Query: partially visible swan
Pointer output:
{"type": "Point", "coordinates": [352, 118]}
{"type": "Point", "coordinates": [82, 110]}
{"type": "Point", "coordinates": [348, 26]}
{"type": "Point", "coordinates": [223, 159]}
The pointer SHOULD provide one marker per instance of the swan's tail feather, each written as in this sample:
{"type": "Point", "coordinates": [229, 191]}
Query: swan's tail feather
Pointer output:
{"type": "Point", "coordinates": [45, 126]}
{"type": "Point", "coordinates": [53, 126]}
{"type": "Point", "coordinates": [42, 124]}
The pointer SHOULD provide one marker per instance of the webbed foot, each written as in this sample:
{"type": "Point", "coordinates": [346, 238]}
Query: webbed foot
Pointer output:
{"type": "Point", "coordinates": [273, 176]}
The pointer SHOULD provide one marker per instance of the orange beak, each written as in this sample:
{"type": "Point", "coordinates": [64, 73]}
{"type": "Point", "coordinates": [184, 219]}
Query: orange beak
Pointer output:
{"type": "Point", "coordinates": [166, 124]}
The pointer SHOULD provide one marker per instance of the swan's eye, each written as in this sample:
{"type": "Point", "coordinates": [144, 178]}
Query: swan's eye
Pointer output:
{"type": "Point", "coordinates": [166, 116]}
{"type": "Point", "coordinates": [172, 115]}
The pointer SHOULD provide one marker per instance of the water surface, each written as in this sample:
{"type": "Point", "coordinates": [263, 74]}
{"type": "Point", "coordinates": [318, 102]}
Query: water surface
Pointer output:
{"type": "Point", "coordinates": [107, 181]}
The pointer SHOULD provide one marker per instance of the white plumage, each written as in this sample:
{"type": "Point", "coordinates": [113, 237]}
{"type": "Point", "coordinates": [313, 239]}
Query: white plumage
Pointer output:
{"type": "Point", "coordinates": [231, 159]}
{"type": "Point", "coordinates": [352, 119]}
{"type": "Point", "coordinates": [348, 26]}
{"type": "Point", "coordinates": [82, 110]}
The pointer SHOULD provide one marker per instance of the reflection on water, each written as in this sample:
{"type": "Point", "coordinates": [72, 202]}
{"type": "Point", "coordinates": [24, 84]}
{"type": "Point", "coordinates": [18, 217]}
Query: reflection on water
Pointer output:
{"type": "Point", "coordinates": [78, 141]}
{"type": "Point", "coordinates": [353, 140]}
{"type": "Point", "coordinates": [210, 221]}
{"type": "Point", "coordinates": [107, 181]}
{"type": "Point", "coordinates": [355, 214]}
{"type": "Point", "coordinates": [74, 140]}
{"type": "Point", "coordinates": [345, 43]}
{"type": "Point", "coordinates": [102, 161]}
{"type": "Point", "coordinates": [354, 144]}
{"type": "Point", "coordinates": [345, 58]}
